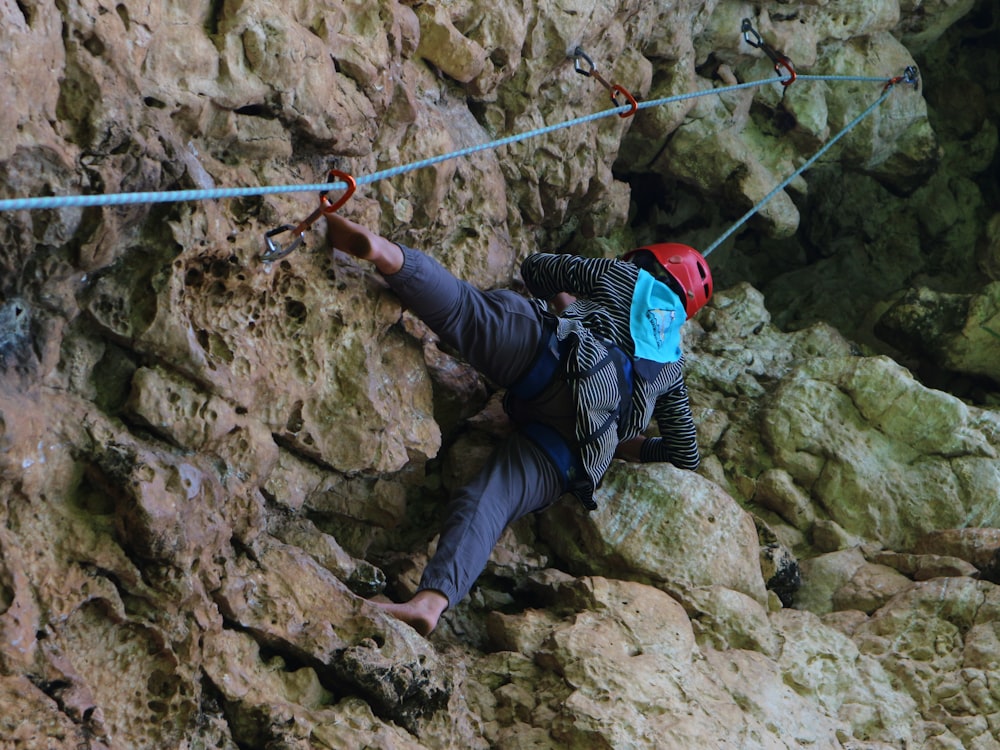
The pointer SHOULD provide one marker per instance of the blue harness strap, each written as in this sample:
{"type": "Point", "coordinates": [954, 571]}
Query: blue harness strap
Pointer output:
{"type": "Point", "coordinates": [543, 369]}
{"type": "Point", "coordinates": [626, 383]}
{"type": "Point", "coordinates": [554, 445]}
{"type": "Point", "coordinates": [539, 375]}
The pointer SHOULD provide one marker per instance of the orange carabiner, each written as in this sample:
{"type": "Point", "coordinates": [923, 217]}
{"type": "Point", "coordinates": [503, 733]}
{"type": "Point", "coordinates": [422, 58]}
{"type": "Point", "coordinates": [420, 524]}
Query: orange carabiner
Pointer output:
{"type": "Point", "coordinates": [784, 62]}
{"type": "Point", "coordinates": [274, 251]}
{"type": "Point", "coordinates": [352, 185]}
{"type": "Point", "coordinates": [615, 90]}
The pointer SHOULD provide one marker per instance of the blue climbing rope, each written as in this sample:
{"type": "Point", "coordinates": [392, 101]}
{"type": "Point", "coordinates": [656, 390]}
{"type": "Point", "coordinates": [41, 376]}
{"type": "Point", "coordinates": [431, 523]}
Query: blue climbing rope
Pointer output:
{"type": "Point", "coordinates": [172, 196]}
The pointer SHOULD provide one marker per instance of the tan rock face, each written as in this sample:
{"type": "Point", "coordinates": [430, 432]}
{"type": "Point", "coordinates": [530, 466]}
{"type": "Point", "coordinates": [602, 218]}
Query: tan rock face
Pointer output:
{"type": "Point", "coordinates": [207, 461]}
{"type": "Point", "coordinates": [653, 538]}
{"type": "Point", "coordinates": [869, 484]}
{"type": "Point", "coordinates": [224, 323]}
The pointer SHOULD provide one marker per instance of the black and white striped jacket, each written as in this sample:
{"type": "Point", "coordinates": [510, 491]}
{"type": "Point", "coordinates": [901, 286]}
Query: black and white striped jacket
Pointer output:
{"type": "Point", "coordinates": [604, 290]}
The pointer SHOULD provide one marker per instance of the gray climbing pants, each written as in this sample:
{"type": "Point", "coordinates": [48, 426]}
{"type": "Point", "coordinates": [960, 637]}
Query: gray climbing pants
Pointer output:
{"type": "Point", "coordinates": [497, 332]}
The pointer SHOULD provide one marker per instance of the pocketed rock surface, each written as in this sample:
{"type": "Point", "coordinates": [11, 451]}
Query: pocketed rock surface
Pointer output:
{"type": "Point", "coordinates": [209, 463]}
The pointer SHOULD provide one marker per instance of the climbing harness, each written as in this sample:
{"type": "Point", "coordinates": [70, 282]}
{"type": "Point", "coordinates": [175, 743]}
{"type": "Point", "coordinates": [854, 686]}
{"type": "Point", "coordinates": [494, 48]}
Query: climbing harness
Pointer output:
{"type": "Point", "coordinates": [273, 251]}
{"type": "Point", "coordinates": [564, 457]}
{"type": "Point", "coordinates": [613, 89]}
{"type": "Point", "coordinates": [548, 359]}
{"type": "Point", "coordinates": [782, 65]}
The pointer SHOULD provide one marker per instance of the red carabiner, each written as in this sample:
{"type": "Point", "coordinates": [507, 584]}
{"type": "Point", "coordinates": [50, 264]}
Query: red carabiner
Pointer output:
{"type": "Point", "coordinates": [616, 89]}
{"type": "Point", "coordinates": [274, 251]}
{"type": "Point", "coordinates": [752, 37]}
{"type": "Point", "coordinates": [352, 185]}
{"type": "Point", "coordinates": [784, 62]}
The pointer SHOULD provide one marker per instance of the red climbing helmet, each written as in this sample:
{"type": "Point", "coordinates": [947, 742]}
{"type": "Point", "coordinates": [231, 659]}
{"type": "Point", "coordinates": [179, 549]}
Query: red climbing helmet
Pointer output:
{"type": "Point", "coordinates": [688, 267]}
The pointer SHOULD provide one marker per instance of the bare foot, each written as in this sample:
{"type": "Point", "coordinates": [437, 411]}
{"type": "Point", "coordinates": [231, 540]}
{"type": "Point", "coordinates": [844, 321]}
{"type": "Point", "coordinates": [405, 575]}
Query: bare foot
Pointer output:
{"type": "Point", "coordinates": [354, 239]}
{"type": "Point", "coordinates": [421, 613]}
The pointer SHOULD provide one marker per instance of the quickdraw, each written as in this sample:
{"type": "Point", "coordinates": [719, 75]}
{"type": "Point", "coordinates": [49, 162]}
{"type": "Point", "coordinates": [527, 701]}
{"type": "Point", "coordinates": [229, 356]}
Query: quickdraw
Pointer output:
{"type": "Point", "coordinates": [782, 65]}
{"type": "Point", "coordinates": [274, 251]}
{"type": "Point", "coordinates": [910, 75]}
{"type": "Point", "coordinates": [613, 89]}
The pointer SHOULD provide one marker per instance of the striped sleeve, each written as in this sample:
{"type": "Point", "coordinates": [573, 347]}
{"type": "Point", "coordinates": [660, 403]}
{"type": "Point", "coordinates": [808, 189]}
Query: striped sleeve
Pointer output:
{"type": "Point", "coordinates": [678, 441]}
{"type": "Point", "coordinates": [547, 274]}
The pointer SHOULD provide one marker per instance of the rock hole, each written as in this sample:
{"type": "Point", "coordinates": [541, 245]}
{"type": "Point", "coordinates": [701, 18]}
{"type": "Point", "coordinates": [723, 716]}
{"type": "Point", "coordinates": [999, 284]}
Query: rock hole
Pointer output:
{"type": "Point", "coordinates": [194, 277]}
{"type": "Point", "coordinates": [6, 598]}
{"type": "Point", "coordinates": [161, 684]}
{"type": "Point", "coordinates": [295, 421]}
{"type": "Point", "coordinates": [295, 309]}
{"type": "Point", "coordinates": [122, 12]}
{"type": "Point", "coordinates": [255, 110]}
{"type": "Point", "coordinates": [94, 46]}
{"type": "Point", "coordinates": [500, 58]}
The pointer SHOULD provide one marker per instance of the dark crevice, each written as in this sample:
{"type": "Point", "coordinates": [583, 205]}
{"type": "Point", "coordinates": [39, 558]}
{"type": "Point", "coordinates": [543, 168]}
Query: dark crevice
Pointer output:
{"type": "Point", "coordinates": [123, 14]}
{"type": "Point", "coordinates": [214, 17]}
{"type": "Point", "coordinates": [256, 110]}
{"type": "Point", "coordinates": [212, 710]}
{"type": "Point", "coordinates": [25, 11]}
{"type": "Point", "coordinates": [404, 693]}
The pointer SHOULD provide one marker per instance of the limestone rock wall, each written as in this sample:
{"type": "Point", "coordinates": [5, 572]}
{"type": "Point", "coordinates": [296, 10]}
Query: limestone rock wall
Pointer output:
{"type": "Point", "coordinates": [208, 462]}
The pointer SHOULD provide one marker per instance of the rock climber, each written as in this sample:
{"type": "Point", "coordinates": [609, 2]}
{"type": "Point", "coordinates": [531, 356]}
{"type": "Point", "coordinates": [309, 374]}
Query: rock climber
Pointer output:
{"type": "Point", "coordinates": [583, 382]}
